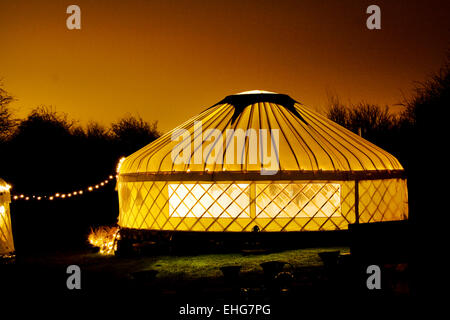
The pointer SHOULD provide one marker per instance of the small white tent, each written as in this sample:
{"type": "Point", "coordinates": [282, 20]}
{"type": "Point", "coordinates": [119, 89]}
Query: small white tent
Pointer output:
{"type": "Point", "coordinates": [6, 238]}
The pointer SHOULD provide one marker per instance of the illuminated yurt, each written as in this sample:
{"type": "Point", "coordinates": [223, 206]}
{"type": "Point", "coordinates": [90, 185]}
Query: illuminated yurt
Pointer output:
{"type": "Point", "coordinates": [6, 238]}
{"type": "Point", "coordinates": [259, 161]}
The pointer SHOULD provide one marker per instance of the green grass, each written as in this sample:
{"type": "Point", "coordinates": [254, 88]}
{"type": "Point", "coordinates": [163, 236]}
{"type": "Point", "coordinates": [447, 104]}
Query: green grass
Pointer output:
{"type": "Point", "coordinates": [208, 265]}
{"type": "Point", "coordinates": [183, 267]}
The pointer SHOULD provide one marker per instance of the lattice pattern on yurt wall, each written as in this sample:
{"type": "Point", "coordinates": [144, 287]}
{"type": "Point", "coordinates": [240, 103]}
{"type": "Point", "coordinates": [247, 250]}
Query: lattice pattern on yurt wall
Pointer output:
{"type": "Point", "coordinates": [383, 200]}
{"type": "Point", "coordinates": [6, 238]}
{"type": "Point", "coordinates": [209, 200]}
{"type": "Point", "coordinates": [143, 205]}
{"type": "Point", "coordinates": [231, 206]}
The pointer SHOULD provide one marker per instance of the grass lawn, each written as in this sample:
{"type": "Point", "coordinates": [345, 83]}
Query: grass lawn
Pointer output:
{"type": "Point", "coordinates": [184, 267]}
{"type": "Point", "coordinates": [208, 265]}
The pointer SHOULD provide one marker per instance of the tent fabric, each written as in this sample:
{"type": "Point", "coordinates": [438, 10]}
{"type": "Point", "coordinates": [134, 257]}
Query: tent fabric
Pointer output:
{"type": "Point", "coordinates": [309, 143]}
{"type": "Point", "coordinates": [6, 238]}
{"type": "Point", "coordinates": [326, 176]}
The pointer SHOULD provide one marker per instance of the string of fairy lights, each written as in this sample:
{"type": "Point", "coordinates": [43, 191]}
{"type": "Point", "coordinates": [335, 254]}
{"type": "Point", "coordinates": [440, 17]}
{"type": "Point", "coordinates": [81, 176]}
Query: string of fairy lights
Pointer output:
{"type": "Point", "coordinates": [67, 195]}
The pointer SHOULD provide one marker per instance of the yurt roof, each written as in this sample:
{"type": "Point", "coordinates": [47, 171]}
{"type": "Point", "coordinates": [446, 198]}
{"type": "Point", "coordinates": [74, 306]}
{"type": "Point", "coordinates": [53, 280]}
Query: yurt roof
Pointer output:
{"type": "Point", "coordinates": [3, 183]}
{"type": "Point", "coordinates": [4, 186]}
{"type": "Point", "coordinates": [309, 143]}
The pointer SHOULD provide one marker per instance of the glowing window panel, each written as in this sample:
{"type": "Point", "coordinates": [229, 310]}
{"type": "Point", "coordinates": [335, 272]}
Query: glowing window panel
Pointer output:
{"type": "Point", "coordinates": [209, 200]}
{"type": "Point", "coordinates": [2, 221]}
{"type": "Point", "coordinates": [308, 200]}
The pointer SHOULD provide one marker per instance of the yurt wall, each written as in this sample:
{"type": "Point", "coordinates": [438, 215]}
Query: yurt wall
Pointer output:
{"type": "Point", "coordinates": [6, 238]}
{"type": "Point", "coordinates": [271, 205]}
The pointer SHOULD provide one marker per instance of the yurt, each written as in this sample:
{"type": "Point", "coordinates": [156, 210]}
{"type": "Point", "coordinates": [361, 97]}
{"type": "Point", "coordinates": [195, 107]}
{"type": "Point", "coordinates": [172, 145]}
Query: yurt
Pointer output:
{"type": "Point", "coordinates": [259, 161]}
{"type": "Point", "coordinates": [6, 238]}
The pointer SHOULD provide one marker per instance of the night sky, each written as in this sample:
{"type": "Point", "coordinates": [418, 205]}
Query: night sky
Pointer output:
{"type": "Point", "coordinates": [168, 60]}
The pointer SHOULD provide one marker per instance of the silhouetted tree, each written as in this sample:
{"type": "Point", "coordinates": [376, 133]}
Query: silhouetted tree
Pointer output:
{"type": "Point", "coordinates": [431, 98]}
{"type": "Point", "coordinates": [338, 112]}
{"type": "Point", "coordinates": [41, 146]}
{"type": "Point", "coordinates": [44, 123]}
{"type": "Point", "coordinates": [96, 131]}
{"type": "Point", "coordinates": [374, 123]}
{"type": "Point", "coordinates": [133, 133]}
{"type": "Point", "coordinates": [372, 119]}
{"type": "Point", "coordinates": [7, 122]}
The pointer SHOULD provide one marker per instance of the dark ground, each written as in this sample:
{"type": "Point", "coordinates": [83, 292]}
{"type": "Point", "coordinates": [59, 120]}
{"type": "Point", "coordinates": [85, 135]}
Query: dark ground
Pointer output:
{"type": "Point", "coordinates": [197, 279]}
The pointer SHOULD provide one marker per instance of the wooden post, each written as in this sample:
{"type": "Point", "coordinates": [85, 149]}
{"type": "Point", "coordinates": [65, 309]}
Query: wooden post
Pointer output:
{"type": "Point", "coordinates": [356, 201]}
{"type": "Point", "coordinates": [252, 199]}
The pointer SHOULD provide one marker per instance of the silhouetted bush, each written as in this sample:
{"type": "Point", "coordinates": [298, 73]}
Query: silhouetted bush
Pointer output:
{"type": "Point", "coordinates": [47, 152]}
{"type": "Point", "coordinates": [423, 125]}
{"type": "Point", "coordinates": [430, 100]}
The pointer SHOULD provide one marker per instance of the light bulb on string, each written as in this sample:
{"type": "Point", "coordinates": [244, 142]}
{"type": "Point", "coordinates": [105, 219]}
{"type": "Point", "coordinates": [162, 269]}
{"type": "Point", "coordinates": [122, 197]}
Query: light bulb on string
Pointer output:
{"type": "Point", "coordinates": [65, 195]}
{"type": "Point", "coordinates": [119, 164]}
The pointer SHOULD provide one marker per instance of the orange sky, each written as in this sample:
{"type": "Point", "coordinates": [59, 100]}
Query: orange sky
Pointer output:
{"type": "Point", "coordinates": [168, 60]}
